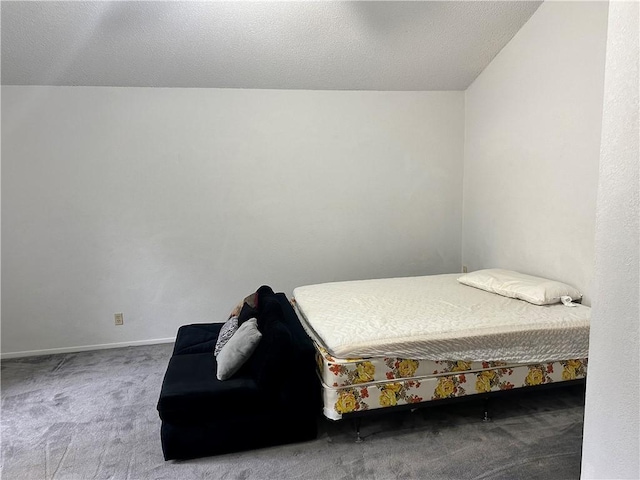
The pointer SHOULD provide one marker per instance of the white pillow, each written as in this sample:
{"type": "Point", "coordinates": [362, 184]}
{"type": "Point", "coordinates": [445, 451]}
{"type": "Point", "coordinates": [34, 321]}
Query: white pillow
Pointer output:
{"type": "Point", "coordinates": [238, 349]}
{"type": "Point", "coordinates": [536, 290]}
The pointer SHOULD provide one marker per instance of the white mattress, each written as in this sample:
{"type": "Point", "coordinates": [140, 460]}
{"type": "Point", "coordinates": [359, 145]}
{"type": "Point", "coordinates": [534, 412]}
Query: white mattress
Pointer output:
{"type": "Point", "coordinates": [437, 318]}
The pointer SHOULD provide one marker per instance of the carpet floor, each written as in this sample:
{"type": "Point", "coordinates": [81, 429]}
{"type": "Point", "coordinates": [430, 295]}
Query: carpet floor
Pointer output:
{"type": "Point", "coordinates": [93, 415]}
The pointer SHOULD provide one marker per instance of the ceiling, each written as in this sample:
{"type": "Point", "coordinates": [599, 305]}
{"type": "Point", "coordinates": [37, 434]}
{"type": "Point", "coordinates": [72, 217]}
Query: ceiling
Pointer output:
{"type": "Point", "coordinates": [431, 45]}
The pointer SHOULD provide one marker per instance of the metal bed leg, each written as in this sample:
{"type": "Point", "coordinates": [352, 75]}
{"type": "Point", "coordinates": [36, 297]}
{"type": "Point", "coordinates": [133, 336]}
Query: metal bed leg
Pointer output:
{"type": "Point", "coordinates": [356, 424]}
{"type": "Point", "coordinates": [486, 417]}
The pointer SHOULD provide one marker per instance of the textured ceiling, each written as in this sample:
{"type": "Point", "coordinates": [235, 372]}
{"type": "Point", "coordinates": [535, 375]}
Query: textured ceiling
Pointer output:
{"type": "Point", "coordinates": [292, 45]}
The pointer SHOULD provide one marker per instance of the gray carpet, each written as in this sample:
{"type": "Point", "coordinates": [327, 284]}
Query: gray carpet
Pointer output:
{"type": "Point", "coordinates": [92, 415]}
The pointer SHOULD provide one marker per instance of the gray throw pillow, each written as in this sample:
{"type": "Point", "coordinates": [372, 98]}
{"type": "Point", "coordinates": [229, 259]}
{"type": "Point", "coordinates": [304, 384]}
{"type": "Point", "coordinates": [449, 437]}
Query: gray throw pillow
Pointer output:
{"type": "Point", "coordinates": [226, 332]}
{"type": "Point", "coordinates": [238, 349]}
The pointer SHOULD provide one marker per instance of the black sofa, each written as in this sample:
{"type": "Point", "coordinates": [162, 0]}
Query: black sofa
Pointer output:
{"type": "Point", "coordinates": [273, 399]}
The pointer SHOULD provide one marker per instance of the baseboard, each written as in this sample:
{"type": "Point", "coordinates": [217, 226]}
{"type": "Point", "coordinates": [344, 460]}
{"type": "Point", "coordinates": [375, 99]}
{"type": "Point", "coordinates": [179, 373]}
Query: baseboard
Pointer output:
{"type": "Point", "coordinates": [84, 348]}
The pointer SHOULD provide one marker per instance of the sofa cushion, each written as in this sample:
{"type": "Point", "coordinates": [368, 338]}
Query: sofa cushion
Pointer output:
{"type": "Point", "coordinates": [247, 313]}
{"type": "Point", "coordinates": [191, 393]}
{"type": "Point", "coordinates": [196, 338]}
{"type": "Point", "coordinates": [302, 363]}
{"type": "Point", "coordinates": [251, 305]}
{"type": "Point", "coordinates": [250, 301]}
{"type": "Point", "coordinates": [274, 351]}
{"type": "Point", "coordinates": [292, 322]}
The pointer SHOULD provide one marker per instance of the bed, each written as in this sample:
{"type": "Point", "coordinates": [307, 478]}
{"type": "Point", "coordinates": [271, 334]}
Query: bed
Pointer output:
{"type": "Point", "coordinates": [405, 341]}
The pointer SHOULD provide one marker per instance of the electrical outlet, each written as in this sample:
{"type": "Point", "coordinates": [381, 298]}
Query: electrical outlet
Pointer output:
{"type": "Point", "coordinates": [464, 269]}
{"type": "Point", "coordinates": [119, 318]}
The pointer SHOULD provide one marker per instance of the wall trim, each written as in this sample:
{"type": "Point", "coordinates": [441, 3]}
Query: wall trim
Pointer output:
{"type": "Point", "coordinates": [84, 348]}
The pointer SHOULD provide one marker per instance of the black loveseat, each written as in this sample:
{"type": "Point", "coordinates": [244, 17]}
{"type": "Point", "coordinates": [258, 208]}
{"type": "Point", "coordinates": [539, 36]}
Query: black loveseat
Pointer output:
{"type": "Point", "coordinates": [273, 399]}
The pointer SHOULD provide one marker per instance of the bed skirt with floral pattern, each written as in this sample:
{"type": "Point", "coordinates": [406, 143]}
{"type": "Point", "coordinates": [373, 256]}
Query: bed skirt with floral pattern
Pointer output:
{"type": "Point", "coordinates": [353, 385]}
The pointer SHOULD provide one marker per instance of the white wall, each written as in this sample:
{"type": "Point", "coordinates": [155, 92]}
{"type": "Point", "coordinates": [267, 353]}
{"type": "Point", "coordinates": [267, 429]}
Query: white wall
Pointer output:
{"type": "Point", "coordinates": [533, 122]}
{"type": "Point", "coordinates": [169, 205]}
{"type": "Point", "coordinates": [611, 446]}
